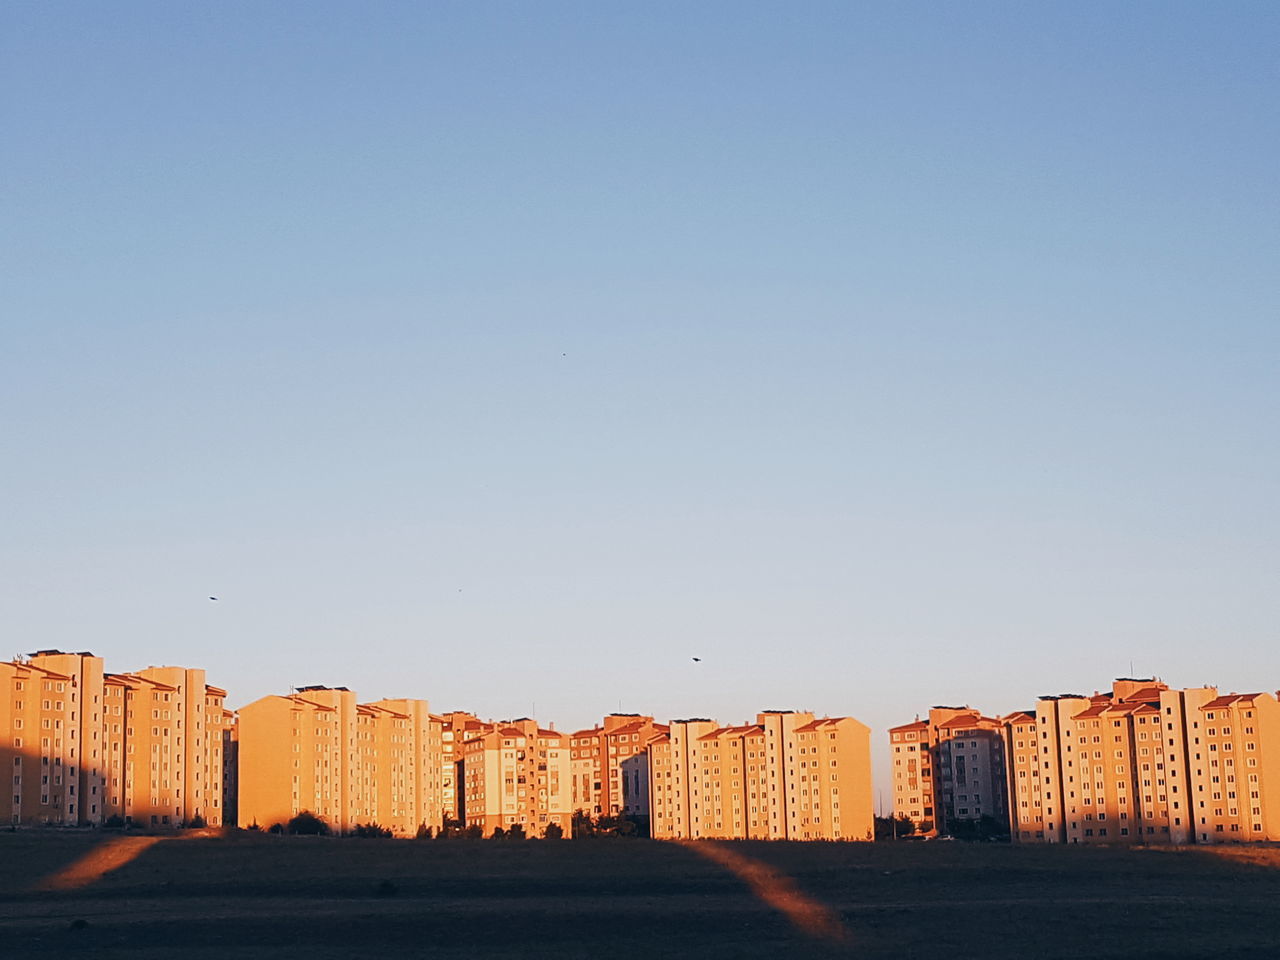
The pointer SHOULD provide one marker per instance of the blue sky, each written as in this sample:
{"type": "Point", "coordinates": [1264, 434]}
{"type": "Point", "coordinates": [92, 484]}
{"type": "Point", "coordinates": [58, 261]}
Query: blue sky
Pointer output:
{"type": "Point", "coordinates": [512, 354]}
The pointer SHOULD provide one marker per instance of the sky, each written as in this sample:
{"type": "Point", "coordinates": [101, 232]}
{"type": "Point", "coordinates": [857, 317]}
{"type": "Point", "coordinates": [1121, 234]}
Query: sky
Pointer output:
{"type": "Point", "coordinates": [511, 355]}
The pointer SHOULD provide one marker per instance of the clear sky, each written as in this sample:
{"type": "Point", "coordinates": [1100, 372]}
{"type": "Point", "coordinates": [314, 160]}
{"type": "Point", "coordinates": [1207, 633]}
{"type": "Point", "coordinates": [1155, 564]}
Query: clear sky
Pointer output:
{"type": "Point", "coordinates": [510, 355]}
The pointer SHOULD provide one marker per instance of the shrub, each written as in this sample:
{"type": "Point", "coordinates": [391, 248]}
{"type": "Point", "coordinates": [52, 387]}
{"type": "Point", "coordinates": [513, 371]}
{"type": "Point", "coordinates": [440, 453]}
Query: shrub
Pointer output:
{"type": "Point", "coordinates": [515, 832]}
{"type": "Point", "coordinates": [197, 822]}
{"type": "Point", "coordinates": [498, 834]}
{"type": "Point", "coordinates": [553, 832]}
{"type": "Point", "coordinates": [307, 823]}
{"type": "Point", "coordinates": [371, 831]}
{"type": "Point", "coordinates": [424, 832]}
{"type": "Point", "coordinates": [114, 822]}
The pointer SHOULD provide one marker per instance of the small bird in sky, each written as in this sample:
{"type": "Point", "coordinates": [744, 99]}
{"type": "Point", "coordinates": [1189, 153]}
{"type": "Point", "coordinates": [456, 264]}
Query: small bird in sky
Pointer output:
{"type": "Point", "coordinates": [697, 659]}
{"type": "Point", "coordinates": [214, 599]}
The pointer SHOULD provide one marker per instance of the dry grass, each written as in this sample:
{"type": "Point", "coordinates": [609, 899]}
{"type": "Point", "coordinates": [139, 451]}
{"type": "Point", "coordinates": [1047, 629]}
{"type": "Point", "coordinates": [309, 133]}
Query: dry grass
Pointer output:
{"type": "Point", "coordinates": [249, 897]}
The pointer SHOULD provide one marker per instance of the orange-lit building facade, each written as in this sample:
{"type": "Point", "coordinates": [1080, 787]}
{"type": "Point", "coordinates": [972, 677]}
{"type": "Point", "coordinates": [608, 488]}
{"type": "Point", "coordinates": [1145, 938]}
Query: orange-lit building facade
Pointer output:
{"type": "Point", "coordinates": [1141, 763]}
{"type": "Point", "coordinates": [609, 772]}
{"type": "Point", "coordinates": [455, 728]}
{"type": "Point", "coordinates": [1146, 764]}
{"type": "Point", "coordinates": [1022, 759]}
{"type": "Point", "coordinates": [913, 774]}
{"type": "Point", "coordinates": [351, 764]}
{"type": "Point", "coordinates": [163, 732]}
{"type": "Point", "coordinates": [400, 768]}
{"type": "Point", "coordinates": [298, 752]}
{"type": "Point", "coordinates": [86, 746]}
{"type": "Point", "coordinates": [788, 776]}
{"type": "Point", "coordinates": [515, 773]}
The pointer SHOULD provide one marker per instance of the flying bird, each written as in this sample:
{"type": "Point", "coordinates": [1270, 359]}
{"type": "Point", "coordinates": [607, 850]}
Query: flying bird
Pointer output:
{"type": "Point", "coordinates": [697, 659]}
{"type": "Point", "coordinates": [214, 599]}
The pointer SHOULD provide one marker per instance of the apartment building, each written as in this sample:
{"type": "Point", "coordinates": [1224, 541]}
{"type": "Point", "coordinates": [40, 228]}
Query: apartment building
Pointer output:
{"type": "Point", "coordinates": [298, 752]}
{"type": "Point", "coordinates": [609, 776]}
{"type": "Point", "coordinates": [949, 770]}
{"type": "Point", "coordinates": [230, 768]}
{"type": "Point", "coordinates": [913, 774]}
{"type": "Point", "coordinates": [1024, 790]}
{"type": "Point", "coordinates": [969, 767]}
{"type": "Point", "coordinates": [1146, 764]}
{"type": "Point", "coordinates": [517, 773]}
{"type": "Point", "coordinates": [54, 770]}
{"type": "Point", "coordinates": [788, 776]}
{"type": "Point", "coordinates": [349, 763]}
{"type": "Point", "coordinates": [399, 762]}
{"type": "Point", "coordinates": [1111, 766]}
{"type": "Point", "coordinates": [1233, 764]}
{"type": "Point", "coordinates": [676, 803]}
{"type": "Point", "coordinates": [163, 735]}
{"type": "Point", "coordinates": [455, 728]}
{"type": "Point", "coordinates": [85, 746]}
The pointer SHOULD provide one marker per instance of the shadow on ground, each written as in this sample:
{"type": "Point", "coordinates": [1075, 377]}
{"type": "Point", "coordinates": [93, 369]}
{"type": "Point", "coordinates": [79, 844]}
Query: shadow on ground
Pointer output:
{"type": "Point", "coordinates": [251, 896]}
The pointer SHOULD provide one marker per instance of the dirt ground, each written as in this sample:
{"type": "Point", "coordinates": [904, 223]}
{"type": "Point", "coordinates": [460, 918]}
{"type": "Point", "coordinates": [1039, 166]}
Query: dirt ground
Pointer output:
{"type": "Point", "coordinates": [249, 896]}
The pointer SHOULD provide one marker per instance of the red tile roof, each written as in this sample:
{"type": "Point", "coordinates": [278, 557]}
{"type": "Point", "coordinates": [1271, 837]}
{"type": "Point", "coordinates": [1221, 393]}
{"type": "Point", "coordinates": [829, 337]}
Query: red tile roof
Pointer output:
{"type": "Point", "coordinates": [1229, 699]}
{"type": "Point", "coordinates": [1146, 693]}
{"type": "Point", "coordinates": [914, 725]}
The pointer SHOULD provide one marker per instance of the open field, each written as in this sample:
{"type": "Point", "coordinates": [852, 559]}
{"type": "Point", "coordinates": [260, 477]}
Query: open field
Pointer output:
{"type": "Point", "coordinates": [250, 896]}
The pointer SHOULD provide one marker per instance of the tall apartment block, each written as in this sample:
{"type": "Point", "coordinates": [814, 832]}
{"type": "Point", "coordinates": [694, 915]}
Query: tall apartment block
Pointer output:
{"type": "Point", "coordinates": [164, 742]}
{"type": "Point", "coordinates": [788, 776]}
{"type": "Point", "coordinates": [609, 769]}
{"type": "Point", "coordinates": [1146, 764]}
{"type": "Point", "coordinates": [319, 750]}
{"type": "Point", "coordinates": [54, 770]}
{"type": "Point", "coordinates": [949, 770]}
{"type": "Point", "coordinates": [912, 787]}
{"type": "Point", "coordinates": [84, 745]}
{"type": "Point", "coordinates": [455, 727]}
{"type": "Point", "coordinates": [400, 768]}
{"type": "Point", "coordinates": [517, 773]}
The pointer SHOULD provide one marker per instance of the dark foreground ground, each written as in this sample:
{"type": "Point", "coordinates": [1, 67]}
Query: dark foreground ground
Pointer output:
{"type": "Point", "coordinates": [249, 897]}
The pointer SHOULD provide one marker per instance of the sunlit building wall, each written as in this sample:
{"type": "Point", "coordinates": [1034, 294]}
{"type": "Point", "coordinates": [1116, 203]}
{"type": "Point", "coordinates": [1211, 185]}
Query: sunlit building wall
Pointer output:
{"type": "Point", "coordinates": [456, 727]}
{"type": "Point", "coordinates": [52, 756]}
{"type": "Point", "coordinates": [86, 746]}
{"type": "Point", "coordinates": [1234, 764]}
{"type": "Point", "coordinates": [1147, 764]}
{"type": "Point", "coordinates": [517, 773]}
{"type": "Point", "coordinates": [597, 756]}
{"type": "Point", "coordinates": [299, 752]}
{"type": "Point", "coordinates": [789, 776]}
{"type": "Point", "coordinates": [400, 766]}
{"type": "Point", "coordinates": [912, 772]}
